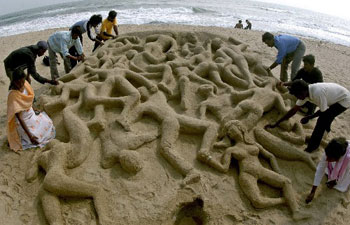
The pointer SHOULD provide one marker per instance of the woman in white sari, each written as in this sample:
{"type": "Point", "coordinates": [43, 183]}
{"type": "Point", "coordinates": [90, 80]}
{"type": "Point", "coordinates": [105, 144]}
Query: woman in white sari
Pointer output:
{"type": "Point", "coordinates": [25, 127]}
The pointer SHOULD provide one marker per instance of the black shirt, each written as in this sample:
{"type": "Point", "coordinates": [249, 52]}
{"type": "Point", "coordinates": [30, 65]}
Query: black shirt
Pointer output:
{"type": "Point", "coordinates": [25, 58]}
{"type": "Point", "coordinates": [315, 76]}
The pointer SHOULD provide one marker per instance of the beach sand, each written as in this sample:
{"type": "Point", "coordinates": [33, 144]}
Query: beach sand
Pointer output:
{"type": "Point", "coordinates": [155, 194]}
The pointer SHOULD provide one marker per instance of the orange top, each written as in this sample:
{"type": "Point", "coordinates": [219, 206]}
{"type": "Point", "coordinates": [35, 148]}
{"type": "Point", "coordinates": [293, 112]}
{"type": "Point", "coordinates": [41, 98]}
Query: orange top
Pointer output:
{"type": "Point", "coordinates": [17, 102]}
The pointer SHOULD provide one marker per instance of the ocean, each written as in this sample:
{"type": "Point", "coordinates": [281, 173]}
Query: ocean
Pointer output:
{"type": "Point", "coordinates": [221, 13]}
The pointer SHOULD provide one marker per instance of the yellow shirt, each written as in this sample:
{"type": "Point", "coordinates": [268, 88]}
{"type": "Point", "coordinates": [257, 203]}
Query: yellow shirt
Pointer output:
{"type": "Point", "coordinates": [107, 26]}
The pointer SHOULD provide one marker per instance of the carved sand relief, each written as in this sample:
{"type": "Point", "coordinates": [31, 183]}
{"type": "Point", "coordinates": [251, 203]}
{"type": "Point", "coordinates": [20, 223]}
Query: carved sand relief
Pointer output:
{"type": "Point", "coordinates": [163, 76]}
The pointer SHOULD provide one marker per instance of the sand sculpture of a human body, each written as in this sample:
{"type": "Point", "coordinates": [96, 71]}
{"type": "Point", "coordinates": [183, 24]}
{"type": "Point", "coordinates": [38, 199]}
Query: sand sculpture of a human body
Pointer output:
{"type": "Point", "coordinates": [158, 77]}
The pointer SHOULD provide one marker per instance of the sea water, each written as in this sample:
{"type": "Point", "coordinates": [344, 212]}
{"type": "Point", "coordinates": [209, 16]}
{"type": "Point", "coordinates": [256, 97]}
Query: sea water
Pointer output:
{"type": "Point", "coordinates": [221, 13]}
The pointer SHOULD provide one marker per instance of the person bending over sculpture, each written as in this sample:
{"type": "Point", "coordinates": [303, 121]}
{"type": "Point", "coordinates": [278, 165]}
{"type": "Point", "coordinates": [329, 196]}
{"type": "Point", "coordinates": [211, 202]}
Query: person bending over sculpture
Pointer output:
{"type": "Point", "coordinates": [331, 98]}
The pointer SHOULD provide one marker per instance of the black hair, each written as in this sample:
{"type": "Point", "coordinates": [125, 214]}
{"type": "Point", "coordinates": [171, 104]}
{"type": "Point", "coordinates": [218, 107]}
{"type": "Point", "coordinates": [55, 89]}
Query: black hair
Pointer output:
{"type": "Point", "coordinates": [298, 86]}
{"type": "Point", "coordinates": [95, 19]}
{"type": "Point", "coordinates": [336, 148]}
{"type": "Point", "coordinates": [309, 59]}
{"type": "Point", "coordinates": [240, 21]}
{"type": "Point", "coordinates": [112, 14]}
{"type": "Point", "coordinates": [18, 74]}
{"type": "Point", "coordinates": [267, 36]}
{"type": "Point", "coordinates": [76, 30]}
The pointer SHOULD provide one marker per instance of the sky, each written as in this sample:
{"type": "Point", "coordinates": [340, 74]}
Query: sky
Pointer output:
{"type": "Point", "coordinates": [338, 8]}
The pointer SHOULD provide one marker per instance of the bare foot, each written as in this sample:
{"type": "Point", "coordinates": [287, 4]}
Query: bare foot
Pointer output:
{"type": "Point", "coordinates": [192, 177]}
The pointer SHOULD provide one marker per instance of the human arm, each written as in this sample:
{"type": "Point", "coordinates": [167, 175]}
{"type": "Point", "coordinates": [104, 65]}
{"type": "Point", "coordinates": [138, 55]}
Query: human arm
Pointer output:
{"type": "Point", "coordinates": [115, 28]}
{"type": "Point", "coordinates": [321, 168]}
{"type": "Point", "coordinates": [306, 119]}
{"type": "Point", "coordinates": [270, 157]}
{"type": "Point", "coordinates": [288, 115]}
{"type": "Point", "coordinates": [273, 65]}
{"type": "Point", "coordinates": [32, 137]}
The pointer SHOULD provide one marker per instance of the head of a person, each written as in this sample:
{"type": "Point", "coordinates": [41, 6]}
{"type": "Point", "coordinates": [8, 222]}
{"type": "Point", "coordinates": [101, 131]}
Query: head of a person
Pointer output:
{"type": "Point", "coordinates": [268, 39]}
{"type": "Point", "coordinates": [112, 15]}
{"type": "Point", "coordinates": [95, 20]}
{"type": "Point", "coordinates": [239, 21]}
{"type": "Point", "coordinates": [247, 21]}
{"type": "Point", "coordinates": [309, 62]}
{"type": "Point", "coordinates": [76, 32]}
{"type": "Point", "coordinates": [18, 79]}
{"type": "Point", "coordinates": [206, 90]}
{"type": "Point", "coordinates": [237, 131]}
{"type": "Point", "coordinates": [42, 47]}
{"type": "Point", "coordinates": [336, 148]}
{"type": "Point", "coordinates": [300, 89]}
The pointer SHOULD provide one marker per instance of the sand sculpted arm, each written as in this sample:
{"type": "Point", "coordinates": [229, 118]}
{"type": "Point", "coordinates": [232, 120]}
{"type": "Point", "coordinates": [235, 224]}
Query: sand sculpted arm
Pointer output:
{"type": "Point", "coordinates": [271, 158]}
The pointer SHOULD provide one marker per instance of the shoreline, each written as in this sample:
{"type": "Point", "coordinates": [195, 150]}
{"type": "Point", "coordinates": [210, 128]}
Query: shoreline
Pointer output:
{"type": "Point", "coordinates": [141, 197]}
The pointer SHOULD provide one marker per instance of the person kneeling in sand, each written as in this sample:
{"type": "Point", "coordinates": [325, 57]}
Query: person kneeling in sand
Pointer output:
{"type": "Point", "coordinates": [331, 98]}
{"type": "Point", "coordinates": [60, 42]}
{"type": "Point", "coordinates": [335, 163]}
{"type": "Point", "coordinates": [26, 128]}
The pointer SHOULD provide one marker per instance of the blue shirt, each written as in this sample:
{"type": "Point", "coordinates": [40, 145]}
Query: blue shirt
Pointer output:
{"type": "Point", "coordinates": [61, 41]}
{"type": "Point", "coordinates": [285, 44]}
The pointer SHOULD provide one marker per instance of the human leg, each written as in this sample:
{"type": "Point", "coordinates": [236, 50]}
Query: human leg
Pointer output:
{"type": "Point", "coordinates": [297, 57]}
{"type": "Point", "coordinates": [53, 64]}
{"type": "Point", "coordinates": [323, 124]}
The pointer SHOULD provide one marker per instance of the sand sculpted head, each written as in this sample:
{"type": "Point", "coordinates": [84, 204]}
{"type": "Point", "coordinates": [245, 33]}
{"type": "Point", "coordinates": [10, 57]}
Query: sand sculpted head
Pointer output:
{"type": "Point", "coordinates": [154, 86]}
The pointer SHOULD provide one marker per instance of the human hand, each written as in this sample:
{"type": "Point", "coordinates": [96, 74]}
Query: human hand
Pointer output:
{"type": "Point", "coordinates": [304, 120]}
{"type": "Point", "coordinates": [310, 197]}
{"type": "Point", "coordinates": [34, 139]}
{"type": "Point", "coordinates": [52, 82]}
{"type": "Point", "coordinates": [270, 126]}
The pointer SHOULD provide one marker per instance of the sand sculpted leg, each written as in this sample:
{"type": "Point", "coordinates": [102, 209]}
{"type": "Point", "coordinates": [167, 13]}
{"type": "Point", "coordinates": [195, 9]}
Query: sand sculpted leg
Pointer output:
{"type": "Point", "coordinates": [282, 149]}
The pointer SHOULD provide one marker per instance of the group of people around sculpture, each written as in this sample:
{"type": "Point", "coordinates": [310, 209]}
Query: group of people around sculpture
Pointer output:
{"type": "Point", "coordinates": [27, 127]}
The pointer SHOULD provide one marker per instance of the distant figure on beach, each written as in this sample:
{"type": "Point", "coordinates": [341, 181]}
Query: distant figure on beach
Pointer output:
{"type": "Point", "coordinates": [239, 25]}
{"type": "Point", "coordinates": [335, 164]}
{"type": "Point", "coordinates": [106, 29]}
{"type": "Point", "coordinates": [24, 58]}
{"type": "Point", "coordinates": [26, 128]}
{"type": "Point", "coordinates": [289, 49]}
{"type": "Point", "coordinates": [60, 42]}
{"type": "Point", "coordinates": [310, 74]}
{"type": "Point", "coordinates": [86, 27]}
{"type": "Point", "coordinates": [249, 25]}
{"type": "Point", "coordinates": [331, 98]}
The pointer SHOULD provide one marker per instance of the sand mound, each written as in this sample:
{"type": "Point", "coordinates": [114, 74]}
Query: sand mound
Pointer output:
{"type": "Point", "coordinates": [167, 128]}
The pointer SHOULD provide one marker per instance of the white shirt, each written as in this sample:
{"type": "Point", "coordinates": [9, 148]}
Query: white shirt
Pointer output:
{"type": "Point", "coordinates": [326, 94]}
{"type": "Point", "coordinates": [84, 28]}
{"type": "Point", "coordinates": [61, 41]}
{"type": "Point", "coordinates": [322, 169]}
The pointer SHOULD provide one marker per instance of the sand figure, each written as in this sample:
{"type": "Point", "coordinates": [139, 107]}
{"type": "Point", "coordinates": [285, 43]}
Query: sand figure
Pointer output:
{"type": "Point", "coordinates": [116, 79]}
{"type": "Point", "coordinates": [163, 71]}
{"type": "Point", "coordinates": [56, 160]}
{"type": "Point", "coordinates": [282, 149]}
{"type": "Point", "coordinates": [171, 125]}
{"type": "Point", "coordinates": [116, 147]}
{"type": "Point", "coordinates": [290, 131]}
{"type": "Point", "coordinates": [251, 170]}
{"type": "Point", "coordinates": [57, 184]}
{"type": "Point", "coordinates": [154, 52]}
{"type": "Point", "coordinates": [251, 104]}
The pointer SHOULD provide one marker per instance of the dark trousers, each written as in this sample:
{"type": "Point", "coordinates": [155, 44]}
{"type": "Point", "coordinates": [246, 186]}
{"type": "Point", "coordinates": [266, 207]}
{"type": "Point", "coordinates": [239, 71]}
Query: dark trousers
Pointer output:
{"type": "Point", "coordinates": [323, 124]}
{"type": "Point", "coordinates": [73, 51]}
{"type": "Point", "coordinates": [97, 43]}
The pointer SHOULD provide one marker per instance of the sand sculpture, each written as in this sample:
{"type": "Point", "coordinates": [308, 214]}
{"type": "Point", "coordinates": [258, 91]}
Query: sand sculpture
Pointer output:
{"type": "Point", "coordinates": [246, 152]}
{"type": "Point", "coordinates": [159, 76]}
